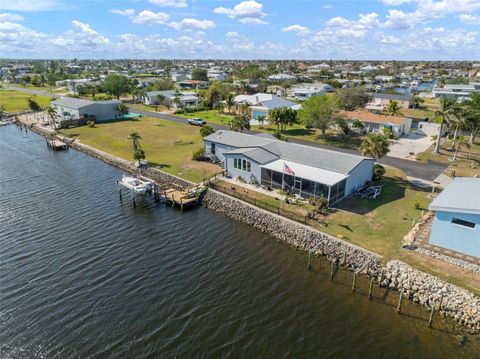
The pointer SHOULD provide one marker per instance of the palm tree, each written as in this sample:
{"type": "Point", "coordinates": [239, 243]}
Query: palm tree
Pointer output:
{"type": "Point", "coordinates": [461, 142]}
{"type": "Point", "coordinates": [416, 101]}
{"type": "Point", "coordinates": [472, 115]}
{"type": "Point", "coordinates": [240, 123]}
{"type": "Point", "coordinates": [51, 115]}
{"type": "Point", "coordinates": [393, 108]}
{"type": "Point", "coordinates": [122, 109]}
{"type": "Point", "coordinates": [456, 120]}
{"type": "Point", "coordinates": [135, 138]}
{"type": "Point", "coordinates": [444, 114]}
{"type": "Point", "coordinates": [230, 101]}
{"type": "Point", "coordinates": [375, 145]}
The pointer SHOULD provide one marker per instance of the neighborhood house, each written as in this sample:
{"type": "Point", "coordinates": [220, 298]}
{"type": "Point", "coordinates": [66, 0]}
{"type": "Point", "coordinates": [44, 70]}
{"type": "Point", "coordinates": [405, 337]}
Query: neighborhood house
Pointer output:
{"type": "Point", "coordinates": [262, 103]}
{"type": "Point", "coordinates": [171, 98]}
{"type": "Point", "coordinates": [303, 170]}
{"type": "Point", "coordinates": [75, 109]}
{"type": "Point", "coordinates": [374, 122]}
{"type": "Point", "coordinates": [456, 225]}
{"type": "Point", "coordinates": [380, 101]}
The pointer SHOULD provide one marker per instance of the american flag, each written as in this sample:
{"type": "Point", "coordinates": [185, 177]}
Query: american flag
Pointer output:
{"type": "Point", "coordinates": [288, 170]}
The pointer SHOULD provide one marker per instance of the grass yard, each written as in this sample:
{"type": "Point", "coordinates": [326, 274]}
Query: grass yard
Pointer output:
{"type": "Point", "coordinates": [167, 144]}
{"type": "Point", "coordinates": [16, 101]}
{"type": "Point", "coordinates": [466, 165]}
{"type": "Point", "coordinates": [417, 113]}
{"type": "Point", "coordinates": [315, 135]}
{"type": "Point", "coordinates": [212, 117]}
{"type": "Point", "coordinates": [141, 106]}
{"type": "Point", "coordinates": [379, 225]}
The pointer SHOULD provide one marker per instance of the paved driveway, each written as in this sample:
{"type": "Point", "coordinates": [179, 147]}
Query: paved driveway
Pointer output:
{"type": "Point", "coordinates": [409, 146]}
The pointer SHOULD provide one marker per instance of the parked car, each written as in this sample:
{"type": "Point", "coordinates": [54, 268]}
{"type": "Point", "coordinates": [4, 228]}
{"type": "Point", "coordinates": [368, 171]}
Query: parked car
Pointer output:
{"type": "Point", "coordinates": [197, 121]}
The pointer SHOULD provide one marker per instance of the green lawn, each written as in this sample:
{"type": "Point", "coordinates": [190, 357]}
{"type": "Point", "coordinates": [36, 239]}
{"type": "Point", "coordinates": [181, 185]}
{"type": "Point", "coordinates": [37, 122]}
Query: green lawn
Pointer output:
{"type": "Point", "coordinates": [167, 144]}
{"type": "Point", "coordinates": [141, 106]}
{"type": "Point", "coordinates": [212, 117]}
{"type": "Point", "coordinates": [315, 135]}
{"type": "Point", "coordinates": [417, 113]}
{"type": "Point", "coordinates": [15, 101]}
{"type": "Point", "coordinates": [379, 225]}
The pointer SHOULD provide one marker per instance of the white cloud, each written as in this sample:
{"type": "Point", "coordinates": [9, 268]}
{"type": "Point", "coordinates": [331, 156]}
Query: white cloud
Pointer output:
{"type": "Point", "coordinates": [81, 37]}
{"type": "Point", "coordinates": [300, 30]}
{"type": "Point", "coordinates": [191, 24]}
{"type": "Point", "coordinates": [396, 2]}
{"type": "Point", "coordinates": [31, 5]}
{"type": "Point", "coordinates": [231, 35]}
{"type": "Point", "coordinates": [172, 3]}
{"type": "Point", "coordinates": [397, 19]}
{"type": "Point", "coordinates": [148, 17]}
{"type": "Point", "coordinates": [246, 12]}
{"type": "Point", "coordinates": [10, 17]}
{"type": "Point", "coordinates": [126, 12]}
{"type": "Point", "coordinates": [469, 19]}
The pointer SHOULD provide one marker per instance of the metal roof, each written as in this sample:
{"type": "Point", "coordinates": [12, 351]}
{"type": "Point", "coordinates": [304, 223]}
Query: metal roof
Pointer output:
{"type": "Point", "coordinates": [388, 96]}
{"type": "Point", "coordinates": [314, 174]}
{"type": "Point", "coordinates": [312, 156]}
{"type": "Point", "coordinates": [72, 102]}
{"type": "Point", "coordinates": [256, 154]}
{"type": "Point", "coordinates": [462, 195]}
{"type": "Point", "coordinates": [78, 103]}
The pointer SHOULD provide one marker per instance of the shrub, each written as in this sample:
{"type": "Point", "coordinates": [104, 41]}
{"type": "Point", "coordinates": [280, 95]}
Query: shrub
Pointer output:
{"type": "Point", "coordinates": [199, 154]}
{"type": "Point", "coordinates": [91, 124]}
{"type": "Point", "coordinates": [388, 132]}
{"type": "Point", "coordinates": [378, 172]}
{"type": "Point", "coordinates": [279, 135]}
{"type": "Point", "coordinates": [206, 130]}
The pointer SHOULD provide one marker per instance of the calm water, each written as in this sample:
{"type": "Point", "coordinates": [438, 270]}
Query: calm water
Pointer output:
{"type": "Point", "coordinates": [83, 275]}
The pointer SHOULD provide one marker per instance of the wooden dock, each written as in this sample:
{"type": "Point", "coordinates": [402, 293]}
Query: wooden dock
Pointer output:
{"type": "Point", "coordinates": [182, 198]}
{"type": "Point", "coordinates": [57, 145]}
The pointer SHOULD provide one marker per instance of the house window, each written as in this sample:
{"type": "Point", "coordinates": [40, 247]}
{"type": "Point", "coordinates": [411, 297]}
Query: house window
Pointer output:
{"type": "Point", "coordinates": [461, 222]}
{"type": "Point", "coordinates": [235, 163]}
{"type": "Point", "coordinates": [249, 166]}
{"type": "Point", "coordinates": [244, 165]}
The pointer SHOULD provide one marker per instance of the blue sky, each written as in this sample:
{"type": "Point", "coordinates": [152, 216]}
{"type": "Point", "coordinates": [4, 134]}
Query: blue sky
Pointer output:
{"type": "Point", "coordinates": [252, 29]}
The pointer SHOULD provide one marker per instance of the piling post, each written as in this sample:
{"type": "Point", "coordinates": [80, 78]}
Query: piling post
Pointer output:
{"type": "Point", "coordinates": [134, 204]}
{"type": "Point", "coordinates": [309, 260]}
{"type": "Point", "coordinates": [432, 313]}
{"type": "Point", "coordinates": [332, 270]}
{"type": "Point", "coordinates": [370, 290]}
{"type": "Point", "coordinates": [380, 279]}
{"type": "Point", "coordinates": [344, 259]}
{"type": "Point", "coordinates": [399, 307]}
{"type": "Point", "coordinates": [354, 281]}
{"type": "Point", "coordinates": [440, 304]}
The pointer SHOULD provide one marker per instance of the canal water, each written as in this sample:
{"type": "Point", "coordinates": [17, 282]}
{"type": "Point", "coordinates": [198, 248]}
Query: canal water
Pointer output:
{"type": "Point", "coordinates": [85, 275]}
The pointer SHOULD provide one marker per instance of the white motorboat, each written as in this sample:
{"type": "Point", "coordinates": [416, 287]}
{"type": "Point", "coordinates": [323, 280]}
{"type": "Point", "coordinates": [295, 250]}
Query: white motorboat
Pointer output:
{"type": "Point", "coordinates": [136, 185]}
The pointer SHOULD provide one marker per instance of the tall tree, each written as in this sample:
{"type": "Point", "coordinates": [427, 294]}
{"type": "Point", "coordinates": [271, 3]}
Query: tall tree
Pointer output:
{"type": "Point", "coordinates": [393, 108]}
{"type": "Point", "coordinates": [444, 115]}
{"type": "Point", "coordinates": [319, 112]}
{"type": "Point", "coordinates": [199, 74]}
{"type": "Point", "coordinates": [472, 115]}
{"type": "Point", "coordinates": [416, 101]}
{"type": "Point", "coordinates": [33, 104]}
{"type": "Point", "coordinates": [240, 123]}
{"type": "Point", "coordinates": [282, 117]}
{"type": "Point", "coordinates": [135, 137]}
{"type": "Point", "coordinates": [352, 98]}
{"type": "Point", "coordinates": [230, 101]}
{"type": "Point", "coordinates": [51, 115]}
{"type": "Point", "coordinates": [375, 145]}
{"type": "Point", "coordinates": [117, 85]}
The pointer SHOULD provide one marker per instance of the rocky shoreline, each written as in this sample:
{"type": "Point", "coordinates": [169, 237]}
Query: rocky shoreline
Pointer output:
{"type": "Point", "coordinates": [422, 288]}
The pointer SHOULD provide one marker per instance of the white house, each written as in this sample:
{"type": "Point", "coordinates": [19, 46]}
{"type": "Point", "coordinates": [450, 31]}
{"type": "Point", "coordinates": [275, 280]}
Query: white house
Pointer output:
{"type": "Point", "coordinates": [304, 92]}
{"type": "Point", "coordinates": [454, 91]}
{"type": "Point", "coordinates": [185, 98]}
{"type": "Point", "coordinates": [303, 170]}
{"type": "Point", "coordinates": [262, 103]}
{"type": "Point", "coordinates": [280, 77]}
{"type": "Point", "coordinates": [380, 101]}
{"type": "Point", "coordinates": [69, 109]}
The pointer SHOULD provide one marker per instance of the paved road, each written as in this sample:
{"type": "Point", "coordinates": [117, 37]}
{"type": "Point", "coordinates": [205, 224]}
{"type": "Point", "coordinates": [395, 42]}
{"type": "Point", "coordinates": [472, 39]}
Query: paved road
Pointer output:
{"type": "Point", "coordinates": [33, 91]}
{"type": "Point", "coordinates": [425, 171]}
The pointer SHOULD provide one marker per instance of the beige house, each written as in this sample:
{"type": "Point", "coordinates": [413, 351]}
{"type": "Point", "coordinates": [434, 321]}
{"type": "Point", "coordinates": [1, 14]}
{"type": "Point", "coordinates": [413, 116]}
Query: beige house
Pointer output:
{"type": "Point", "coordinates": [373, 122]}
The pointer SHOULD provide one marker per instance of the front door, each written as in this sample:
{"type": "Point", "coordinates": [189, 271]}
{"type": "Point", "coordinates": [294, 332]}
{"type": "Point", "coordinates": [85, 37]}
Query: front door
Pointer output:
{"type": "Point", "coordinates": [297, 186]}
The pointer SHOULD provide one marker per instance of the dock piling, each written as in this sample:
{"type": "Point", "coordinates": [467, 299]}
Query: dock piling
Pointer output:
{"type": "Point", "coordinates": [399, 307]}
{"type": "Point", "coordinates": [370, 290]}
{"type": "Point", "coordinates": [309, 260]}
{"type": "Point", "coordinates": [332, 270]}
{"type": "Point", "coordinates": [354, 282]}
{"type": "Point", "coordinates": [432, 313]}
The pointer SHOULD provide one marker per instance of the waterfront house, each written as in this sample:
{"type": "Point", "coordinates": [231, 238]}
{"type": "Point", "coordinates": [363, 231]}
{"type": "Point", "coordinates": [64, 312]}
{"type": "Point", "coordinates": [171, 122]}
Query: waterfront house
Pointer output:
{"type": "Point", "coordinates": [456, 225]}
{"type": "Point", "coordinates": [373, 122]}
{"type": "Point", "coordinates": [262, 103]}
{"type": "Point", "coordinates": [172, 98]}
{"type": "Point", "coordinates": [74, 110]}
{"type": "Point", "coordinates": [460, 92]}
{"type": "Point", "coordinates": [303, 170]}
{"type": "Point", "coordinates": [304, 92]}
{"type": "Point", "coordinates": [380, 101]}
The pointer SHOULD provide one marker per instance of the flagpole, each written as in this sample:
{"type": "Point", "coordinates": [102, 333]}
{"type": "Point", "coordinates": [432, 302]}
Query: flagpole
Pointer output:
{"type": "Point", "coordinates": [283, 180]}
